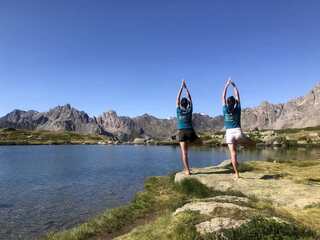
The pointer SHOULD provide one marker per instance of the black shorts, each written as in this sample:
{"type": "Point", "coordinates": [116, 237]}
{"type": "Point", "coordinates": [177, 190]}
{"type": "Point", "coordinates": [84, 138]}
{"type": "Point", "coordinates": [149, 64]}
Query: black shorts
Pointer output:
{"type": "Point", "coordinates": [186, 135]}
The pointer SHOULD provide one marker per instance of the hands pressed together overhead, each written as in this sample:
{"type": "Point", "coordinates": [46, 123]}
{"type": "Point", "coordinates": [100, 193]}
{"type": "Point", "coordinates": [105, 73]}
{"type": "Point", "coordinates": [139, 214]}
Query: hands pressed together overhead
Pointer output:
{"type": "Point", "coordinates": [184, 84]}
{"type": "Point", "coordinates": [230, 82]}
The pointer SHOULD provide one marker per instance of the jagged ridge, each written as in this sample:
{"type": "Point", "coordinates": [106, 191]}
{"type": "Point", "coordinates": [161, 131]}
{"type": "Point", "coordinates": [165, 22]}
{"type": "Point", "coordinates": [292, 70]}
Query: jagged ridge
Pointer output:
{"type": "Point", "coordinates": [297, 113]}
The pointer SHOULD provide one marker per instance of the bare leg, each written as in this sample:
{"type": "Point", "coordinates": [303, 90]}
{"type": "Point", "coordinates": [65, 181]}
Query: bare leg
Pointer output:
{"type": "Point", "coordinates": [246, 141]}
{"type": "Point", "coordinates": [234, 160]}
{"type": "Point", "coordinates": [184, 157]}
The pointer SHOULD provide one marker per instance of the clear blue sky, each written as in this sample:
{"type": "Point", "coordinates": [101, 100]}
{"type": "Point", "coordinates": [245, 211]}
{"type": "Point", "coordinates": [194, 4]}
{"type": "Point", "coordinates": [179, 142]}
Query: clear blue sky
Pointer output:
{"type": "Point", "coordinates": [130, 56]}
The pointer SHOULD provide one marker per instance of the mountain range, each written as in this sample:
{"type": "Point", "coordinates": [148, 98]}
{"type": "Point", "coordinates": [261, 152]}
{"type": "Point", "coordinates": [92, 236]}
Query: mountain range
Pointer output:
{"type": "Point", "coordinates": [297, 113]}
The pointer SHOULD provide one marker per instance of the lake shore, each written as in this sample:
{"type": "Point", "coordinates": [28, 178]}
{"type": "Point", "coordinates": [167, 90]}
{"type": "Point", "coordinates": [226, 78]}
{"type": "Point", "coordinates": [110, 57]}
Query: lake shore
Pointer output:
{"type": "Point", "coordinates": [11, 136]}
{"type": "Point", "coordinates": [306, 137]}
{"type": "Point", "coordinates": [212, 205]}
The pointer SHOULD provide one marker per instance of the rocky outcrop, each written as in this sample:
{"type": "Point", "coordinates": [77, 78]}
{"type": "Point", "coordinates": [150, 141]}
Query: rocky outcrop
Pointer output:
{"type": "Point", "coordinates": [284, 187]}
{"type": "Point", "coordinates": [139, 141]}
{"type": "Point", "coordinates": [122, 127]}
{"type": "Point", "coordinates": [217, 224]}
{"type": "Point", "coordinates": [211, 207]}
{"type": "Point", "coordinates": [265, 184]}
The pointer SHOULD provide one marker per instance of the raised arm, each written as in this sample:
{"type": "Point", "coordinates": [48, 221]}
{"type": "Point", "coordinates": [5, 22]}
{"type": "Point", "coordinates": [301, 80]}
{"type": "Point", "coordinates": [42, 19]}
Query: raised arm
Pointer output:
{"type": "Point", "coordinates": [224, 92]}
{"type": "Point", "coordinates": [188, 93]}
{"type": "Point", "coordinates": [179, 94]}
{"type": "Point", "coordinates": [236, 92]}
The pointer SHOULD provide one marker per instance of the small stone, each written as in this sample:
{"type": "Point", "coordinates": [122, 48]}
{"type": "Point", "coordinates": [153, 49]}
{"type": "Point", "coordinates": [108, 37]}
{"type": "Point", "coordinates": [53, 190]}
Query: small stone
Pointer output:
{"type": "Point", "coordinates": [139, 141]}
{"type": "Point", "coordinates": [314, 134]}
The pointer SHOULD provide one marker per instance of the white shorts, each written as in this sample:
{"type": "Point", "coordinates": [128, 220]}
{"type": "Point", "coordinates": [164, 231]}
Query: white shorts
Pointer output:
{"type": "Point", "coordinates": [234, 135]}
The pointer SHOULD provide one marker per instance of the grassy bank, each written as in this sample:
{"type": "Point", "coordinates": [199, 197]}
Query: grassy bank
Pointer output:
{"type": "Point", "coordinates": [151, 215]}
{"type": "Point", "coordinates": [160, 196]}
{"type": "Point", "coordinates": [278, 138]}
{"type": "Point", "coordinates": [12, 136]}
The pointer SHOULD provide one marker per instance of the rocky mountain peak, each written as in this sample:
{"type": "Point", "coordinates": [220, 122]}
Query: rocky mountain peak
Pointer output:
{"type": "Point", "coordinates": [146, 116]}
{"type": "Point", "coordinates": [65, 107]}
{"type": "Point", "coordinates": [297, 113]}
{"type": "Point", "coordinates": [19, 119]}
{"type": "Point", "coordinates": [317, 86]}
{"type": "Point", "coordinates": [111, 113]}
{"type": "Point", "coordinates": [265, 103]}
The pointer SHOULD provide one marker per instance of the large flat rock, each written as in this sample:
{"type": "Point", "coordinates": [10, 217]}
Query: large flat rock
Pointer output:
{"type": "Point", "coordinates": [282, 192]}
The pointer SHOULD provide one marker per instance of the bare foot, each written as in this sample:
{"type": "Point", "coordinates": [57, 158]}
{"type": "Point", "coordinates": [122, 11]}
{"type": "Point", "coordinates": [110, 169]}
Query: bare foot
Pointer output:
{"type": "Point", "coordinates": [236, 176]}
{"type": "Point", "coordinates": [186, 172]}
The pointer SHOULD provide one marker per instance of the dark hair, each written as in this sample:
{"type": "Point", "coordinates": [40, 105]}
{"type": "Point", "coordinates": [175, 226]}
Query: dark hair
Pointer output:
{"type": "Point", "coordinates": [184, 102]}
{"type": "Point", "coordinates": [231, 102]}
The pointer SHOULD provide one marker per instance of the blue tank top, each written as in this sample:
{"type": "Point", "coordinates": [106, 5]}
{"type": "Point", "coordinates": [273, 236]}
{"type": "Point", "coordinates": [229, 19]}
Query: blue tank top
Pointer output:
{"type": "Point", "coordinates": [232, 120]}
{"type": "Point", "coordinates": [184, 118]}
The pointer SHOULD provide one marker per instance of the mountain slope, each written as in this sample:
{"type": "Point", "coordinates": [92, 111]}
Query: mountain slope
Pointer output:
{"type": "Point", "coordinates": [298, 113]}
{"type": "Point", "coordinates": [21, 119]}
{"type": "Point", "coordinates": [67, 118]}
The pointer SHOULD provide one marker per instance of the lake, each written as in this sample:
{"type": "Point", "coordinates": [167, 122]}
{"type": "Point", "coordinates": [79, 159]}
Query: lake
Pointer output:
{"type": "Point", "coordinates": [49, 188]}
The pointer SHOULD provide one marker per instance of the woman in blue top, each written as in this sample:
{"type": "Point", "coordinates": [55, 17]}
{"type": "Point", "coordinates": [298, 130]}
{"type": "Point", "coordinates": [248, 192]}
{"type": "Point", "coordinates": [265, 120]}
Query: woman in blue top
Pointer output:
{"type": "Point", "coordinates": [186, 132]}
{"type": "Point", "coordinates": [232, 123]}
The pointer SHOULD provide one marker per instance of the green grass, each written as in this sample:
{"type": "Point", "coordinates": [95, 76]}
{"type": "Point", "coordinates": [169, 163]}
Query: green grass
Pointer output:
{"type": "Point", "coordinates": [194, 189]}
{"type": "Point", "coordinates": [242, 167]}
{"type": "Point", "coordinates": [297, 130]}
{"type": "Point", "coordinates": [180, 227]}
{"type": "Point", "coordinates": [260, 228]}
{"type": "Point", "coordinates": [159, 196]}
{"type": "Point", "coordinates": [314, 205]}
{"type": "Point", "coordinates": [285, 137]}
{"type": "Point", "coordinates": [12, 136]}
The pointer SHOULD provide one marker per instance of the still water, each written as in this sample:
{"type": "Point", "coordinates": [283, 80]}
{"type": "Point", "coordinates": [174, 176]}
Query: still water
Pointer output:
{"type": "Point", "coordinates": [49, 188]}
